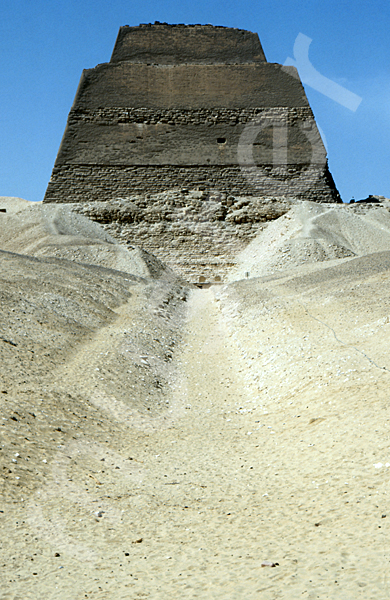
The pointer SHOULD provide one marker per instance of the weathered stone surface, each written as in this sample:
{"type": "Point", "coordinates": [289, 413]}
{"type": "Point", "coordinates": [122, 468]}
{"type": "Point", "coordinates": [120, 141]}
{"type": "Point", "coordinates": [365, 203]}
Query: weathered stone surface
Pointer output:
{"type": "Point", "coordinates": [193, 44]}
{"type": "Point", "coordinates": [81, 183]}
{"type": "Point", "coordinates": [127, 84]}
{"type": "Point", "coordinates": [185, 137]}
{"type": "Point", "coordinates": [194, 108]}
{"type": "Point", "coordinates": [199, 234]}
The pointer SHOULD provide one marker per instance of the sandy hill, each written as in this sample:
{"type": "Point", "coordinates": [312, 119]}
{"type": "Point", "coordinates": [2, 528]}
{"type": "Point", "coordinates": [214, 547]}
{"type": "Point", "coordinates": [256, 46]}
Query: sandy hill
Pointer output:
{"type": "Point", "coordinates": [163, 441]}
{"type": "Point", "coordinates": [311, 233]}
{"type": "Point", "coordinates": [42, 230]}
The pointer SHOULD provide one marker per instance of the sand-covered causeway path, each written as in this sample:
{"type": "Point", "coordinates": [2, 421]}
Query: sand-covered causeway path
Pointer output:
{"type": "Point", "coordinates": [271, 445]}
{"type": "Point", "coordinates": [163, 442]}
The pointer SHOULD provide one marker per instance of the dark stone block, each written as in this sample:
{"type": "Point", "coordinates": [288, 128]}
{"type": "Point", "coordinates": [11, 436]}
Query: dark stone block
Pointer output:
{"type": "Point", "coordinates": [177, 44]}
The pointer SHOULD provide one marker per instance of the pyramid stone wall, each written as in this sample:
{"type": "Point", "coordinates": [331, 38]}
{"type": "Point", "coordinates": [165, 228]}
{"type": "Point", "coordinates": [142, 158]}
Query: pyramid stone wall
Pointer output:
{"type": "Point", "coordinates": [169, 110]}
{"type": "Point", "coordinates": [190, 108]}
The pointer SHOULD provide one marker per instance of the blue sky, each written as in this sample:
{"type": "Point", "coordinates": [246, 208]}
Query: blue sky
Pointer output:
{"type": "Point", "coordinates": [44, 46]}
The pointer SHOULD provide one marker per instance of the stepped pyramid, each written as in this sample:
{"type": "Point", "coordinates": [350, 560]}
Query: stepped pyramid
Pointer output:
{"type": "Point", "coordinates": [199, 110]}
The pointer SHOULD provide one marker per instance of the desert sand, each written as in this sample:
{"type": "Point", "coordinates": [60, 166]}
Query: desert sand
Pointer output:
{"type": "Point", "coordinates": [164, 441]}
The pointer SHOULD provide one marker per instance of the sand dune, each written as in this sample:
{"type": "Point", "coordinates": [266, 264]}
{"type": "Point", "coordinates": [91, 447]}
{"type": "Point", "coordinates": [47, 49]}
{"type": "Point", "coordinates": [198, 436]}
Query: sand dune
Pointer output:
{"type": "Point", "coordinates": [311, 233]}
{"type": "Point", "coordinates": [163, 441]}
{"type": "Point", "coordinates": [39, 229]}
{"type": "Point", "coordinates": [14, 205]}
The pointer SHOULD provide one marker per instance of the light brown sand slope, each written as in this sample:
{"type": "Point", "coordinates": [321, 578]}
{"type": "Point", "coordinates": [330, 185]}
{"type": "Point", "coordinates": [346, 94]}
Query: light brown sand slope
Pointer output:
{"type": "Point", "coordinates": [55, 231]}
{"type": "Point", "coordinates": [264, 438]}
{"type": "Point", "coordinates": [14, 205]}
{"type": "Point", "coordinates": [311, 233]}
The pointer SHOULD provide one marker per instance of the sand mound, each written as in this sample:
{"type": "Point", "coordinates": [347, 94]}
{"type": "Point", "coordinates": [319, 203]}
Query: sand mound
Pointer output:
{"type": "Point", "coordinates": [14, 205]}
{"type": "Point", "coordinates": [153, 446]}
{"type": "Point", "coordinates": [311, 233]}
{"type": "Point", "coordinates": [55, 231]}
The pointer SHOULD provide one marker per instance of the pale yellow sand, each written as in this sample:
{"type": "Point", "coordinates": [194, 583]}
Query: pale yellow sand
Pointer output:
{"type": "Point", "coordinates": [15, 205]}
{"type": "Point", "coordinates": [265, 438]}
{"type": "Point", "coordinates": [311, 233]}
{"type": "Point", "coordinates": [53, 230]}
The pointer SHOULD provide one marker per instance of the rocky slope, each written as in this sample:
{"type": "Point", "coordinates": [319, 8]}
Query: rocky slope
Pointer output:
{"type": "Point", "coordinates": [198, 234]}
